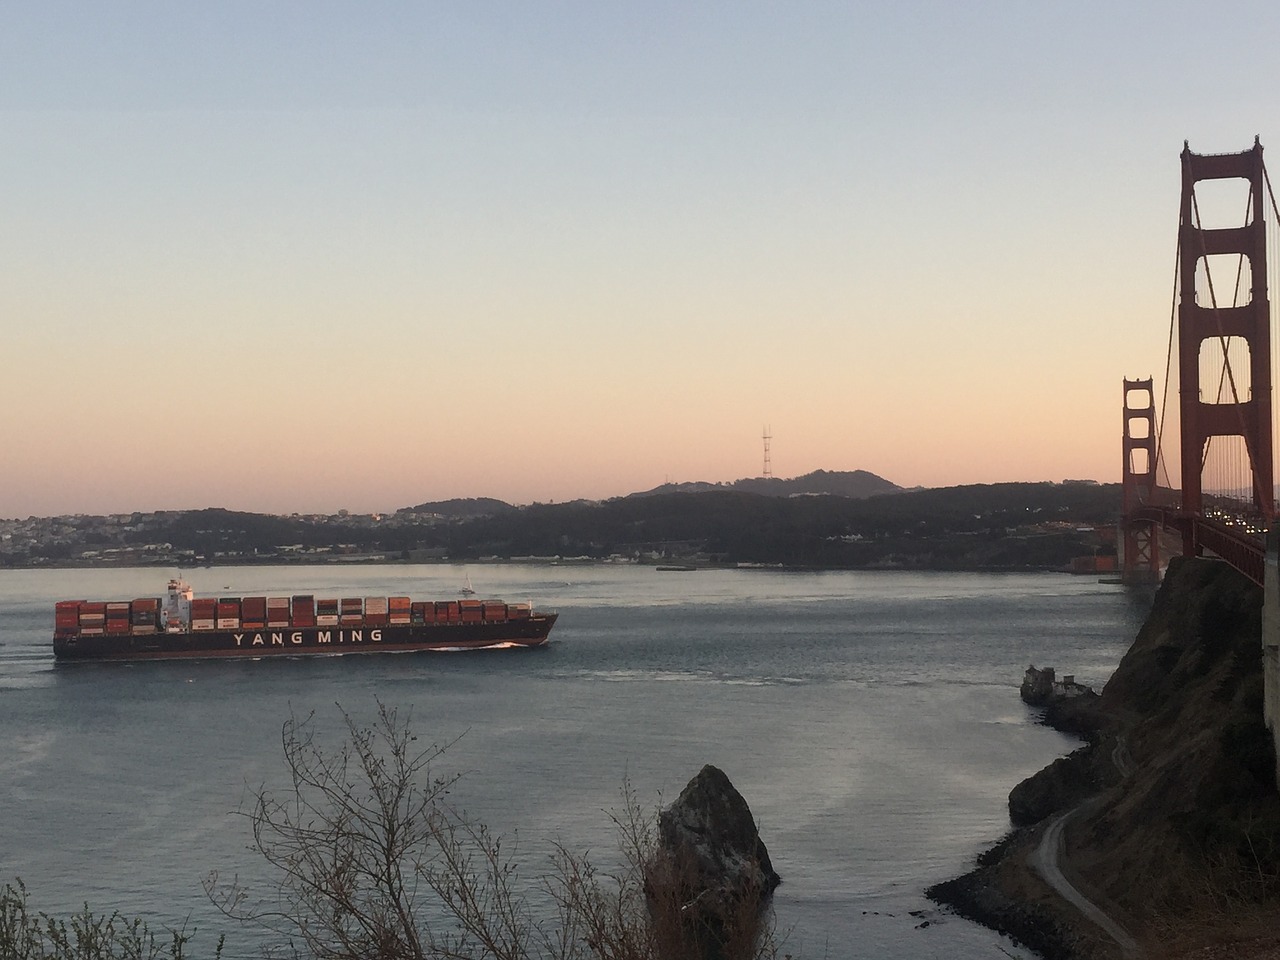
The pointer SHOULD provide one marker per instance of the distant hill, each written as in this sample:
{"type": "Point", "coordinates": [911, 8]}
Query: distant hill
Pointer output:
{"type": "Point", "coordinates": [463, 507]}
{"type": "Point", "coordinates": [856, 484]}
{"type": "Point", "coordinates": [981, 527]}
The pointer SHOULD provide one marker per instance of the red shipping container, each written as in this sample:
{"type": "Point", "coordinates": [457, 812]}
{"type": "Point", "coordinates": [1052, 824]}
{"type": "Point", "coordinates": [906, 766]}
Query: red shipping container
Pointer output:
{"type": "Point", "coordinates": [66, 618]}
{"type": "Point", "coordinates": [66, 613]}
{"type": "Point", "coordinates": [304, 610]}
{"type": "Point", "coordinates": [278, 611]}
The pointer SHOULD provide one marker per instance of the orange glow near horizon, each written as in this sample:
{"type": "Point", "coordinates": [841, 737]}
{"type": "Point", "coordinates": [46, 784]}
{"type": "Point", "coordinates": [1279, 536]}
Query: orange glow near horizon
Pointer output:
{"type": "Point", "coordinates": [274, 278]}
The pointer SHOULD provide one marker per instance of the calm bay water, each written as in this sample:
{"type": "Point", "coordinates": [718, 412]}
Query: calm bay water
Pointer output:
{"type": "Point", "coordinates": [871, 720]}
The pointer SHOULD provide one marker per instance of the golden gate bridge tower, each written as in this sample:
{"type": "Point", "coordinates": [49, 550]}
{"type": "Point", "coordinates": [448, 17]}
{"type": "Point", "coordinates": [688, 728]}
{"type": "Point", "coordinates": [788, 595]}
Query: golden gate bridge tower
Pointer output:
{"type": "Point", "coordinates": [1218, 496]}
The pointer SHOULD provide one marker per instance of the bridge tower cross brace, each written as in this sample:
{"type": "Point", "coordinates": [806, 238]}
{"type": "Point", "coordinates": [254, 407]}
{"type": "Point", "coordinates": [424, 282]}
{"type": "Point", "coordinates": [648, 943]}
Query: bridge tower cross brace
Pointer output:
{"type": "Point", "coordinates": [1141, 543]}
{"type": "Point", "coordinates": [1247, 417]}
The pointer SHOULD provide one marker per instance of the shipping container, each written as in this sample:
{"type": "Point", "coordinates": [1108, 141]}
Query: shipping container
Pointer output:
{"type": "Point", "coordinates": [399, 609]}
{"type": "Point", "coordinates": [145, 607]}
{"type": "Point", "coordinates": [327, 612]}
{"type": "Point", "coordinates": [228, 609]}
{"type": "Point", "coordinates": [253, 613]}
{"type": "Point", "coordinates": [352, 611]}
{"type": "Point", "coordinates": [93, 614]}
{"type": "Point", "coordinates": [495, 610]}
{"type": "Point", "coordinates": [519, 611]}
{"type": "Point", "coordinates": [417, 613]}
{"type": "Point", "coordinates": [66, 617]}
{"type": "Point", "coordinates": [304, 610]}
{"type": "Point", "coordinates": [278, 611]}
{"type": "Point", "coordinates": [145, 615]}
{"type": "Point", "coordinates": [375, 611]}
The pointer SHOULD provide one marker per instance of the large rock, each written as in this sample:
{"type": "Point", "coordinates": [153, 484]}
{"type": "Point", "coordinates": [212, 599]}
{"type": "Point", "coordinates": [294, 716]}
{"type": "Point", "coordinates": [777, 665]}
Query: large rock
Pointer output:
{"type": "Point", "coordinates": [1037, 685]}
{"type": "Point", "coordinates": [711, 876]}
{"type": "Point", "coordinates": [1064, 783]}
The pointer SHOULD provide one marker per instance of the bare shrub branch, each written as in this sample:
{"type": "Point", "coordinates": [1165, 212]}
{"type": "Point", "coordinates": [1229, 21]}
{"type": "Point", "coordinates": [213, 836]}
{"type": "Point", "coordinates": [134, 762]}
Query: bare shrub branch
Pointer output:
{"type": "Point", "coordinates": [86, 936]}
{"type": "Point", "coordinates": [372, 862]}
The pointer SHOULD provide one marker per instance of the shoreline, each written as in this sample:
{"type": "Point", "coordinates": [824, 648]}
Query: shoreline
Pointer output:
{"type": "Point", "coordinates": [1161, 836]}
{"type": "Point", "coordinates": [1004, 891]}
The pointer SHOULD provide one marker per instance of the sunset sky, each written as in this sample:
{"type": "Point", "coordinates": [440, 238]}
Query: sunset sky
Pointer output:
{"type": "Point", "coordinates": [312, 256]}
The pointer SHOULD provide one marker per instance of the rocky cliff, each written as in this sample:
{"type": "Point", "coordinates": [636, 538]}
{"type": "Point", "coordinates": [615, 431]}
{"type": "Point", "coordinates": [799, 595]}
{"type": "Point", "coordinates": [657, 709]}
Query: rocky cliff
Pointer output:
{"type": "Point", "coordinates": [1176, 833]}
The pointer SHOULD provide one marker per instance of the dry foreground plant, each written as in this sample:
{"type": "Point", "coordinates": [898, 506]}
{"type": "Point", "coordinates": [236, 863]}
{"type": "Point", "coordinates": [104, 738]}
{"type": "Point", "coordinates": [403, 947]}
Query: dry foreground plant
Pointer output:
{"type": "Point", "coordinates": [373, 862]}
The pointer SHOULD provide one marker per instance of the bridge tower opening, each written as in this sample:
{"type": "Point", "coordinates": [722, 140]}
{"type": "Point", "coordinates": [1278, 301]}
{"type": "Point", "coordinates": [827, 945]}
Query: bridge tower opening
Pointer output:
{"type": "Point", "coordinates": [1217, 400]}
{"type": "Point", "coordinates": [1141, 535]}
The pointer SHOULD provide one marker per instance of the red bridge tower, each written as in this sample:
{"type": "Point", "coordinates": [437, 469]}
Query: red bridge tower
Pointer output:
{"type": "Point", "coordinates": [1141, 542]}
{"type": "Point", "coordinates": [1248, 417]}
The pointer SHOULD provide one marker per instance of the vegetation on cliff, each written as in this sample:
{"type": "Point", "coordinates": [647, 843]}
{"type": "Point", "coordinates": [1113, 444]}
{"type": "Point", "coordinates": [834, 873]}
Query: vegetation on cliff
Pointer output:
{"type": "Point", "coordinates": [1181, 839]}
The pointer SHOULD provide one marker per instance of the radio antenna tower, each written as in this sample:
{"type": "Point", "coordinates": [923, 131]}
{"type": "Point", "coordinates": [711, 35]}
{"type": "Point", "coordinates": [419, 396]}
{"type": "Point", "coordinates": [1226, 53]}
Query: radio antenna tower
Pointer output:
{"type": "Point", "coordinates": [768, 461]}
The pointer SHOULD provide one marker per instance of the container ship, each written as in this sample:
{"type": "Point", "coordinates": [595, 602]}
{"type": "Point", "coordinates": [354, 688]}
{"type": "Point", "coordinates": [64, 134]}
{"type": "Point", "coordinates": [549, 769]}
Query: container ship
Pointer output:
{"type": "Point", "coordinates": [181, 625]}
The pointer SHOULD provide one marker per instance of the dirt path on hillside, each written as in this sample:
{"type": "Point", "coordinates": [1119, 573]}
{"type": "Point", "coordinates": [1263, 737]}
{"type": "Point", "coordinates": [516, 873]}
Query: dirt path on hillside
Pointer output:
{"type": "Point", "coordinates": [1046, 860]}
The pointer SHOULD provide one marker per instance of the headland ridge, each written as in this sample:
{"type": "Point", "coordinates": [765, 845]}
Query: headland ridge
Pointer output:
{"type": "Point", "coordinates": [1167, 820]}
{"type": "Point", "coordinates": [1007, 526]}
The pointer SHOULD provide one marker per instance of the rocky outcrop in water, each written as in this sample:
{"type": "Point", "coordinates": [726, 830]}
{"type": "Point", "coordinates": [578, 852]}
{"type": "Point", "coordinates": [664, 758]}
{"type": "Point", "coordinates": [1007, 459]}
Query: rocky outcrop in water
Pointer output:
{"type": "Point", "coordinates": [1037, 685]}
{"type": "Point", "coordinates": [711, 877]}
{"type": "Point", "coordinates": [1067, 706]}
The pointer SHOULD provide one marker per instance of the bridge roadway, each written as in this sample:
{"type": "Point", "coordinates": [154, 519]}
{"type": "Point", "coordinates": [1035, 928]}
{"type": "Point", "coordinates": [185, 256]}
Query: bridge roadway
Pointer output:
{"type": "Point", "coordinates": [1233, 542]}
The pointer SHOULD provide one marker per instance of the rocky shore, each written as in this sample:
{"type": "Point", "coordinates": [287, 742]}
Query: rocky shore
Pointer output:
{"type": "Point", "coordinates": [1169, 815]}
